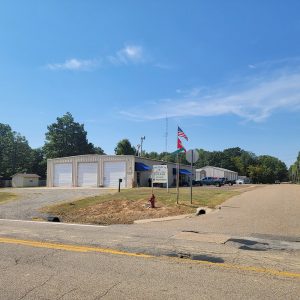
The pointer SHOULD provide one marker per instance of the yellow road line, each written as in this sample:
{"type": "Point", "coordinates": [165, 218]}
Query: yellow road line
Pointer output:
{"type": "Point", "coordinates": [72, 248]}
{"type": "Point", "coordinates": [246, 268]}
{"type": "Point", "coordinates": [75, 248]}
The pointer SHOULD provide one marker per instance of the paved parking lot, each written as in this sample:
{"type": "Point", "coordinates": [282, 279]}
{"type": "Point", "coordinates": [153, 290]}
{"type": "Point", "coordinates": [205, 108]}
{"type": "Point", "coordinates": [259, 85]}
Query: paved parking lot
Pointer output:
{"type": "Point", "coordinates": [30, 200]}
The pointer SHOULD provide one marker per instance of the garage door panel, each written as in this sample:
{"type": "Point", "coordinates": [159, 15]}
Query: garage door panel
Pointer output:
{"type": "Point", "coordinates": [87, 174]}
{"type": "Point", "coordinates": [62, 175]}
{"type": "Point", "coordinates": [112, 172]}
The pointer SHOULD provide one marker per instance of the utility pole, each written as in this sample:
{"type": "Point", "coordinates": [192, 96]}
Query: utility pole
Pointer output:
{"type": "Point", "coordinates": [142, 139]}
{"type": "Point", "coordinates": [138, 150]}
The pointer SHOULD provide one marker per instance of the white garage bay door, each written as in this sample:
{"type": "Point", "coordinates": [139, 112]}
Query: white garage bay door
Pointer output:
{"type": "Point", "coordinates": [112, 172]}
{"type": "Point", "coordinates": [62, 175]}
{"type": "Point", "coordinates": [87, 174]}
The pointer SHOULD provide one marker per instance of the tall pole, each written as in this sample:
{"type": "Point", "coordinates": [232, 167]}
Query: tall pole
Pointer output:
{"type": "Point", "coordinates": [152, 182]}
{"type": "Point", "coordinates": [142, 139]}
{"type": "Point", "coordinates": [166, 133]}
{"type": "Point", "coordinates": [191, 178]}
{"type": "Point", "coordinates": [177, 179]}
{"type": "Point", "coordinates": [138, 150]}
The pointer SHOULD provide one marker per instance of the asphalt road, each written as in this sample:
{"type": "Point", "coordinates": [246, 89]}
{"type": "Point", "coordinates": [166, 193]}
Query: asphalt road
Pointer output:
{"type": "Point", "coordinates": [247, 250]}
{"type": "Point", "coordinates": [34, 273]}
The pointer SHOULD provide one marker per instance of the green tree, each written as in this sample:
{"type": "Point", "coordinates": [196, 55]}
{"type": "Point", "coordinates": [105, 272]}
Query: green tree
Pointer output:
{"type": "Point", "coordinates": [152, 155]}
{"type": "Point", "coordinates": [238, 165]}
{"type": "Point", "coordinates": [15, 152]}
{"type": "Point", "coordinates": [215, 159]}
{"type": "Point", "coordinates": [98, 150]}
{"type": "Point", "coordinates": [6, 148]}
{"type": "Point", "coordinates": [66, 137]}
{"type": "Point", "coordinates": [168, 157]}
{"type": "Point", "coordinates": [203, 158]}
{"type": "Point", "coordinates": [124, 147]}
{"type": "Point", "coordinates": [255, 173]}
{"type": "Point", "coordinates": [231, 159]}
{"type": "Point", "coordinates": [294, 170]}
{"type": "Point", "coordinates": [248, 159]}
{"type": "Point", "coordinates": [38, 162]}
{"type": "Point", "coordinates": [272, 169]}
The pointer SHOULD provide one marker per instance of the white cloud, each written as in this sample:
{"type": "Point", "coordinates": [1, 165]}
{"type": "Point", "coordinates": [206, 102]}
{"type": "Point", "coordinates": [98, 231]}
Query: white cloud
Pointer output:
{"type": "Point", "coordinates": [128, 54]}
{"type": "Point", "coordinates": [74, 64]}
{"type": "Point", "coordinates": [252, 99]}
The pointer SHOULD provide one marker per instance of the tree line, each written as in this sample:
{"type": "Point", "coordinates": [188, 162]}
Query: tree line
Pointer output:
{"type": "Point", "coordinates": [260, 169]}
{"type": "Point", "coordinates": [294, 170]}
{"type": "Point", "coordinates": [65, 137]}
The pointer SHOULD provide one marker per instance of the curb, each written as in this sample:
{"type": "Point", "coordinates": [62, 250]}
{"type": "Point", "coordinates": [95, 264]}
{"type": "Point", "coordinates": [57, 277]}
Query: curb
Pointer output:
{"type": "Point", "coordinates": [163, 219]}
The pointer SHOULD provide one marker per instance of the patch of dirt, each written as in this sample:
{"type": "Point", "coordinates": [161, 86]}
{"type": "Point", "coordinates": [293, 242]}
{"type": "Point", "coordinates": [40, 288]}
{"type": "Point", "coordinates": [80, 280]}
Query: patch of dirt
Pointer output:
{"type": "Point", "coordinates": [122, 212]}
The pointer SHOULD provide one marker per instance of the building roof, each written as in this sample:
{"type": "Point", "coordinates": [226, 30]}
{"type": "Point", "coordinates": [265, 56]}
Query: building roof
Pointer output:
{"type": "Point", "coordinates": [27, 175]}
{"type": "Point", "coordinates": [221, 169]}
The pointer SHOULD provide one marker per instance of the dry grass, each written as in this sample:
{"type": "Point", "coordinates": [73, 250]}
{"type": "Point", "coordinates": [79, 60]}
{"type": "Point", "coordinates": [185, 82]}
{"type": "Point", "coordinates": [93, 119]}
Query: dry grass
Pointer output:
{"type": "Point", "coordinates": [5, 197]}
{"type": "Point", "coordinates": [131, 205]}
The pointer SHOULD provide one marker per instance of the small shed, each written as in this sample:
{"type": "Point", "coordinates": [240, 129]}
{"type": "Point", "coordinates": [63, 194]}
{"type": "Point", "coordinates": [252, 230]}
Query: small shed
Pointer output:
{"type": "Point", "coordinates": [25, 180]}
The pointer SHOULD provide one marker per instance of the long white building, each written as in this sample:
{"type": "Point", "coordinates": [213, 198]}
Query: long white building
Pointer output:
{"type": "Point", "coordinates": [210, 171]}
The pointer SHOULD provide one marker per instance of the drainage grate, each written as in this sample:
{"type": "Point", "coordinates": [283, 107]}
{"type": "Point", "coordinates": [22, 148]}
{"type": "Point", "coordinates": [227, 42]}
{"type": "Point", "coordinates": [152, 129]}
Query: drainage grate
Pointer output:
{"type": "Point", "coordinates": [53, 219]}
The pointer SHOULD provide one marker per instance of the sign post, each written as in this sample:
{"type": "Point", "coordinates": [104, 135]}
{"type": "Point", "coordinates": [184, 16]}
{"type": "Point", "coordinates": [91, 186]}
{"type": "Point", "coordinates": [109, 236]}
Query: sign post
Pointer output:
{"type": "Point", "coordinates": [160, 175]}
{"type": "Point", "coordinates": [192, 156]}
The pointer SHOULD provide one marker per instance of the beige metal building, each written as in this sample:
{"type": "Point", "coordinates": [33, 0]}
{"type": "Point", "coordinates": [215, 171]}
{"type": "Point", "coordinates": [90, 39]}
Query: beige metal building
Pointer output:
{"type": "Point", "coordinates": [25, 180]}
{"type": "Point", "coordinates": [210, 171]}
{"type": "Point", "coordinates": [96, 170]}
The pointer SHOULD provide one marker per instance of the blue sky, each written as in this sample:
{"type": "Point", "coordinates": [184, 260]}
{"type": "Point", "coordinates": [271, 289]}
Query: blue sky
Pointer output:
{"type": "Point", "coordinates": [227, 72]}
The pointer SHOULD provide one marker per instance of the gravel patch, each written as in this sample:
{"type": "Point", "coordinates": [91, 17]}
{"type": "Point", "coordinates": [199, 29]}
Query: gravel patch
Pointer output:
{"type": "Point", "coordinates": [30, 200]}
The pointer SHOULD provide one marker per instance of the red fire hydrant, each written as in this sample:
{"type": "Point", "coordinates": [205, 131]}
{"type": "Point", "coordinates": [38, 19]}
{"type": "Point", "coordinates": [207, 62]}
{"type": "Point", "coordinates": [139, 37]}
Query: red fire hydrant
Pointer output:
{"type": "Point", "coordinates": [152, 201]}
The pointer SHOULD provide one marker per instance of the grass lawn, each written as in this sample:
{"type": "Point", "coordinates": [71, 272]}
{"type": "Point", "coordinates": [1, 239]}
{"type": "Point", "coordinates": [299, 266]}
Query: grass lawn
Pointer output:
{"type": "Point", "coordinates": [5, 197]}
{"type": "Point", "coordinates": [130, 205]}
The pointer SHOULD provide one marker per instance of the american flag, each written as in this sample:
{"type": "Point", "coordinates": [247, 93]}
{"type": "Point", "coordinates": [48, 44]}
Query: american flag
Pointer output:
{"type": "Point", "coordinates": [182, 134]}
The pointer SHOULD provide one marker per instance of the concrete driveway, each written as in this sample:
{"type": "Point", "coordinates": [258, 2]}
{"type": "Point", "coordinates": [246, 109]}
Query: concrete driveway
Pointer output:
{"type": "Point", "coordinates": [30, 200]}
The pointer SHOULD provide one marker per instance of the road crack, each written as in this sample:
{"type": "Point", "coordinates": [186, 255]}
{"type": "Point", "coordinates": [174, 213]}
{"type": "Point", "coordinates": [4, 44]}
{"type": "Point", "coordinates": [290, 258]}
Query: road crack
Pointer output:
{"type": "Point", "coordinates": [37, 286]}
{"type": "Point", "coordinates": [108, 290]}
{"type": "Point", "coordinates": [66, 293]}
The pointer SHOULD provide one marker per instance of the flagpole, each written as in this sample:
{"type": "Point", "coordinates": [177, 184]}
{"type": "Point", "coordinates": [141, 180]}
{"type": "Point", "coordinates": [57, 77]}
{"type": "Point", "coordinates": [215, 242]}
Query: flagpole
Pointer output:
{"type": "Point", "coordinates": [177, 180]}
{"type": "Point", "coordinates": [191, 179]}
{"type": "Point", "coordinates": [177, 173]}
{"type": "Point", "coordinates": [180, 147]}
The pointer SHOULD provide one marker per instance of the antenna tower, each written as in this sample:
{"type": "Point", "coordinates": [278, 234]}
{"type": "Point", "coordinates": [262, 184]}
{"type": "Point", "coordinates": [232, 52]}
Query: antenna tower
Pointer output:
{"type": "Point", "coordinates": [166, 134]}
